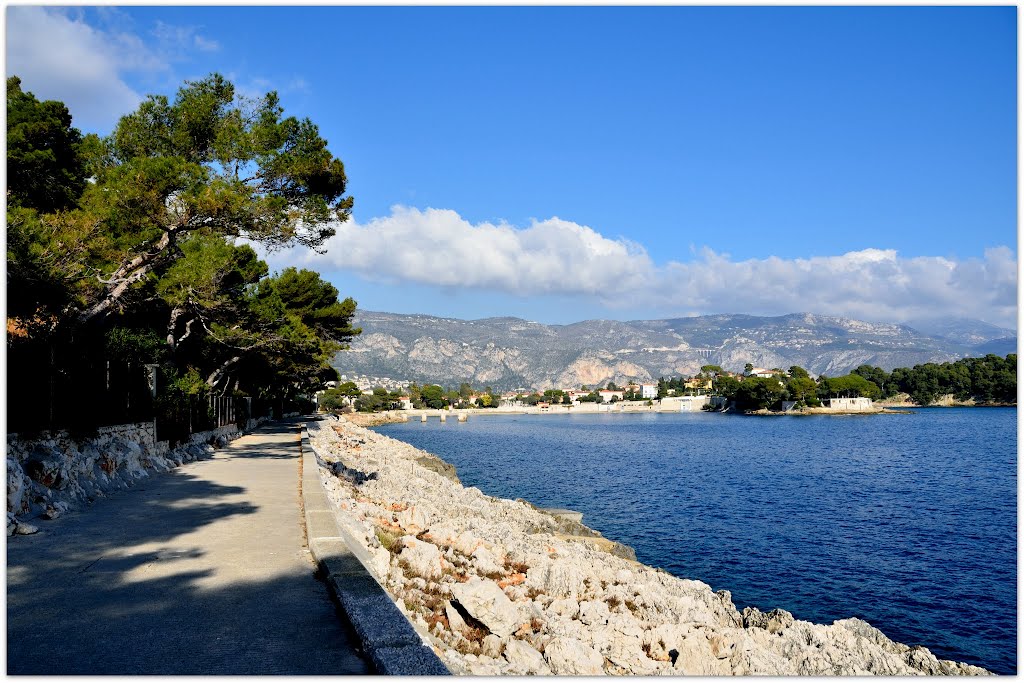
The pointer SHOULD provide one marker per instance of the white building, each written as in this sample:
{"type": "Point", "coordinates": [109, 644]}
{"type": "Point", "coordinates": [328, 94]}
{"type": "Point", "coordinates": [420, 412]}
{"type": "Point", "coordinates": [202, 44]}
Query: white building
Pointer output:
{"type": "Point", "coordinates": [684, 404]}
{"type": "Point", "coordinates": [648, 391]}
{"type": "Point", "coordinates": [853, 404]}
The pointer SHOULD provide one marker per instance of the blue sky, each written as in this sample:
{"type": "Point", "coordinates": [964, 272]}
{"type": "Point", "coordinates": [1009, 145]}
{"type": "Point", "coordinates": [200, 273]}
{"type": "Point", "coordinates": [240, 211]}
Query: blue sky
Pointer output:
{"type": "Point", "coordinates": [568, 163]}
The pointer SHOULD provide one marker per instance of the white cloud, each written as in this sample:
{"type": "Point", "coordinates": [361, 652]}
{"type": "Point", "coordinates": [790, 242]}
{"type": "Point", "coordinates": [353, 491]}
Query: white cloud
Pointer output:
{"type": "Point", "coordinates": [60, 56]}
{"type": "Point", "coordinates": [440, 247]}
{"type": "Point", "coordinates": [435, 247]}
{"type": "Point", "coordinates": [176, 42]}
{"type": "Point", "coordinates": [871, 284]}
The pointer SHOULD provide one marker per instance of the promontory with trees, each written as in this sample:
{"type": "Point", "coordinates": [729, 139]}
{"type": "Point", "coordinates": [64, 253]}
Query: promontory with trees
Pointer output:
{"type": "Point", "coordinates": [132, 289]}
{"type": "Point", "coordinates": [990, 380]}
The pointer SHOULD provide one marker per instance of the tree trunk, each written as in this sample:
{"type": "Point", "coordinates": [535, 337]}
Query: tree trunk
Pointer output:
{"type": "Point", "coordinates": [124, 277]}
{"type": "Point", "coordinates": [217, 375]}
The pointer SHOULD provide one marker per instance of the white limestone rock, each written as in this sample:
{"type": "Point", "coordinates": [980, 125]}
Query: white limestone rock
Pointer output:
{"type": "Point", "coordinates": [491, 646]}
{"type": "Point", "coordinates": [524, 658]}
{"type": "Point", "coordinates": [594, 612]}
{"type": "Point", "coordinates": [558, 579]}
{"type": "Point", "coordinates": [455, 620]}
{"type": "Point", "coordinates": [414, 520]}
{"type": "Point", "coordinates": [565, 607]}
{"type": "Point", "coordinates": [25, 529]}
{"type": "Point", "coordinates": [570, 657]}
{"type": "Point", "coordinates": [466, 543]}
{"type": "Point", "coordinates": [694, 657]}
{"type": "Point", "coordinates": [486, 562]}
{"type": "Point", "coordinates": [380, 562]}
{"type": "Point", "coordinates": [626, 652]}
{"type": "Point", "coordinates": [486, 603]}
{"type": "Point", "coordinates": [423, 559]}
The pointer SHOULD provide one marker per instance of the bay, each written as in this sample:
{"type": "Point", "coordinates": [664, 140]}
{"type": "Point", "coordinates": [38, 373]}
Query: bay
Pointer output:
{"type": "Point", "coordinates": [906, 521]}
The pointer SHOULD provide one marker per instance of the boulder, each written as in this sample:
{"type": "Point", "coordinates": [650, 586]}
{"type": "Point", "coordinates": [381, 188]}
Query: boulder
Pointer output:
{"type": "Point", "coordinates": [565, 607]}
{"type": "Point", "coordinates": [491, 647]}
{"type": "Point", "coordinates": [594, 613]}
{"type": "Point", "coordinates": [55, 510]}
{"type": "Point", "coordinates": [48, 466]}
{"type": "Point", "coordinates": [486, 561]}
{"type": "Point", "coordinates": [776, 621]}
{"type": "Point", "coordinates": [626, 653]}
{"type": "Point", "coordinates": [413, 520]}
{"type": "Point", "coordinates": [694, 657]}
{"type": "Point", "coordinates": [721, 648]}
{"type": "Point", "coordinates": [380, 562]}
{"type": "Point", "coordinates": [663, 639]}
{"type": "Point", "coordinates": [466, 543]}
{"type": "Point", "coordinates": [25, 529]}
{"type": "Point", "coordinates": [422, 559]}
{"type": "Point", "coordinates": [441, 533]}
{"type": "Point", "coordinates": [570, 657]}
{"type": "Point", "coordinates": [455, 620]}
{"type": "Point", "coordinates": [558, 579]}
{"type": "Point", "coordinates": [525, 657]}
{"type": "Point", "coordinates": [486, 603]}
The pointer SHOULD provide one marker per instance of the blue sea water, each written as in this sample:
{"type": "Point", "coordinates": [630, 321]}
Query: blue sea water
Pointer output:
{"type": "Point", "coordinates": [906, 521]}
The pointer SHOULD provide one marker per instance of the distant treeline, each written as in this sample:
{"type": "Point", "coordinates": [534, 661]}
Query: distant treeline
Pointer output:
{"type": "Point", "coordinates": [986, 380]}
{"type": "Point", "coordinates": [989, 380]}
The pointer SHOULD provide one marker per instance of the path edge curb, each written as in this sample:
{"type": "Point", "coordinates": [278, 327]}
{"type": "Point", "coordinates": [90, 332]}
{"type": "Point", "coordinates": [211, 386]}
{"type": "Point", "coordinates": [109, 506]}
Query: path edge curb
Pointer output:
{"type": "Point", "coordinates": [387, 636]}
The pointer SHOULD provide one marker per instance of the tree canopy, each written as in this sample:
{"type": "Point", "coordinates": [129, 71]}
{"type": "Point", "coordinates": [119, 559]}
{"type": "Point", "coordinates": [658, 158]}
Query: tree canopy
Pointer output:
{"type": "Point", "coordinates": [45, 165]}
{"type": "Point", "coordinates": [847, 386]}
{"type": "Point", "coordinates": [757, 393]}
{"type": "Point", "coordinates": [153, 246]}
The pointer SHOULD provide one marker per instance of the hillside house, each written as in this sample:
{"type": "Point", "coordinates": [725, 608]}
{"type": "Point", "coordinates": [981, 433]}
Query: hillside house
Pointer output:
{"type": "Point", "coordinates": [698, 383]}
{"type": "Point", "coordinates": [648, 391]}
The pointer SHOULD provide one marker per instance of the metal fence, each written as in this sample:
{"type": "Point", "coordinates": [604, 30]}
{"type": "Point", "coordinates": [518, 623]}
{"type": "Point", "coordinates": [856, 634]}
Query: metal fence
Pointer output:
{"type": "Point", "coordinates": [47, 393]}
{"type": "Point", "coordinates": [44, 393]}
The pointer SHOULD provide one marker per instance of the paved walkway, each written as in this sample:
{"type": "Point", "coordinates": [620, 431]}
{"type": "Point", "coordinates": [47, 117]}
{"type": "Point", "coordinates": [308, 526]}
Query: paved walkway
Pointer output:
{"type": "Point", "coordinates": [202, 570]}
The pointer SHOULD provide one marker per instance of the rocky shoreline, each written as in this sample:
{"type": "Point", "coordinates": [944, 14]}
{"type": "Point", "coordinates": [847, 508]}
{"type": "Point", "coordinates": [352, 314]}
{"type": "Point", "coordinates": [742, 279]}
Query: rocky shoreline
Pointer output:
{"type": "Point", "coordinates": [500, 587]}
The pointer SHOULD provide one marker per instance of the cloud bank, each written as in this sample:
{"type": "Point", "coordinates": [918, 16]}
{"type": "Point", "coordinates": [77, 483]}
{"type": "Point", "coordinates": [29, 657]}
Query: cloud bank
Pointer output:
{"type": "Point", "coordinates": [437, 247]}
{"type": "Point", "coordinates": [60, 56]}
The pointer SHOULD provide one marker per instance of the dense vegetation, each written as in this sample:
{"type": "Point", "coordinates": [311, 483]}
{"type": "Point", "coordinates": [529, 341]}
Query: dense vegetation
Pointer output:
{"type": "Point", "coordinates": [125, 251]}
{"type": "Point", "coordinates": [988, 380]}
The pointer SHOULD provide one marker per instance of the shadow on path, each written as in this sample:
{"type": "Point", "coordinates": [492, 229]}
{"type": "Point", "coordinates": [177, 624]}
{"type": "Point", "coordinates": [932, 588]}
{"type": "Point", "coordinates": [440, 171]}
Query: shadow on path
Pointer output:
{"type": "Point", "coordinates": [165, 578]}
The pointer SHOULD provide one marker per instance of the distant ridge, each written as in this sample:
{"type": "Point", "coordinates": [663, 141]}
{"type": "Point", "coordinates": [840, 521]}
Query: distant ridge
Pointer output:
{"type": "Point", "coordinates": [510, 353]}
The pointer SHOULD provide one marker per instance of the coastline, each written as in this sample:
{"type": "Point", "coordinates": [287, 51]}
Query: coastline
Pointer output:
{"type": "Point", "coordinates": [896, 406]}
{"type": "Point", "coordinates": [499, 587]}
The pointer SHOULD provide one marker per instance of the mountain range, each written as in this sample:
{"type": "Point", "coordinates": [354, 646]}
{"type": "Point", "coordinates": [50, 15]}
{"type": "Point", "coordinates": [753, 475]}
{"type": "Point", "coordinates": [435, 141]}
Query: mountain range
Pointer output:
{"type": "Point", "coordinates": [511, 353]}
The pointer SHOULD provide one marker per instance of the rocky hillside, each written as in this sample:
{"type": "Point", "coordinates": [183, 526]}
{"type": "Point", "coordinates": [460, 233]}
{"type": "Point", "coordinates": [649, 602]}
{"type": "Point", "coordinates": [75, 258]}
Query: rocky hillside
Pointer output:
{"type": "Point", "coordinates": [511, 353]}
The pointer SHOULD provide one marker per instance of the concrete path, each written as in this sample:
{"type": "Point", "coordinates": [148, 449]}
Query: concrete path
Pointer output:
{"type": "Point", "coordinates": [202, 570]}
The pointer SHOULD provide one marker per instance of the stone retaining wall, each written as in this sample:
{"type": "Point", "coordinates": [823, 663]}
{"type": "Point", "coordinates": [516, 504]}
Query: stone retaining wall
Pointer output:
{"type": "Point", "coordinates": [54, 472]}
